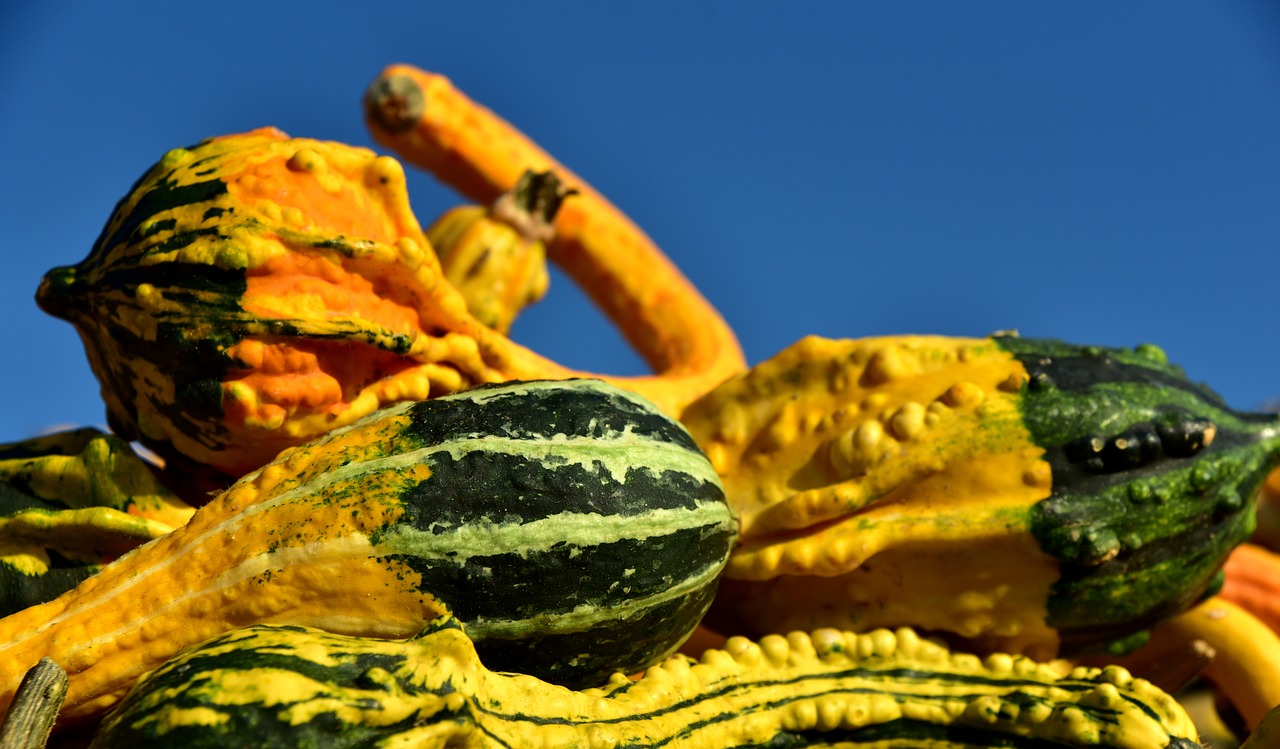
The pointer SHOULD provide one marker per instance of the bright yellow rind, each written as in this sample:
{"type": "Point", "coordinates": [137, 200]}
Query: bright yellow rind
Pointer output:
{"type": "Point", "coordinates": [85, 468]}
{"type": "Point", "coordinates": [729, 697]}
{"type": "Point", "coordinates": [868, 471]}
{"type": "Point", "coordinates": [496, 268]}
{"type": "Point", "coordinates": [1246, 661]}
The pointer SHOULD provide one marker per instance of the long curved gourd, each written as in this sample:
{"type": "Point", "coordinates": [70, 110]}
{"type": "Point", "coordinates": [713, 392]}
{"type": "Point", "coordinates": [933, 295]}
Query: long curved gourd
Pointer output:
{"type": "Point", "coordinates": [255, 291]}
{"type": "Point", "coordinates": [1246, 664]}
{"type": "Point", "coordinates": [1030, 495]}
{"type": "Point", "coordinates": [69, 502]}
{"type": "Point", "coordinates": [295, 687]}
{"type": "Point", "coordinates": [425, 119]}
{"type": "Point", "coordinates": [572, 526]}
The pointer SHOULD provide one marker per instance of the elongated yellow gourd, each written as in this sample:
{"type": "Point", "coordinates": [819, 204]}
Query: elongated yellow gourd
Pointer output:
{"type": "Point", "coordinates": [295, 687]}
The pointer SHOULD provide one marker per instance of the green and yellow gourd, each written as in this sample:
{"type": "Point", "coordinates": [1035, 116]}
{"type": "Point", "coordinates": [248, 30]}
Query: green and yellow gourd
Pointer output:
{"type": "Point", "coordinates": [70, 502]}
{"type": "Point", "coordinates": [1027, 495]}
{"type": "Point", "coordinates": [298, 687]}
{"type": "Point", "coordinates": [572, 527]}
{"type": "Point", "coordinates": [256, 291]}
{"type": "Point", "coordinates": [496, 256]}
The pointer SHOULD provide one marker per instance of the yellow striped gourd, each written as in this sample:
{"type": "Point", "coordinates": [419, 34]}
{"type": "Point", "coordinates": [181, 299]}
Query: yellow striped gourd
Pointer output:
{"type": "Point", "coordinates": [296, 687]}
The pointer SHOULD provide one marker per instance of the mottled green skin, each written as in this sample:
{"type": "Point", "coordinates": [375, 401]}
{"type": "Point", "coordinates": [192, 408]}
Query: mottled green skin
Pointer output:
{"type": "Point", "coordinates": [193, 344]}
{"type": "Point", "coordinates": [189, 682]}
{"type": "Point", "coordinates": [192, 305]}
{"type": "Point", "coordinates": [1139, 535]}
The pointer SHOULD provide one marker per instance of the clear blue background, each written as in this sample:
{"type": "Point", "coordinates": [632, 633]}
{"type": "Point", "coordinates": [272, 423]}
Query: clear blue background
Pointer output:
{"type": "Point", "coordinates": [1103, 172]}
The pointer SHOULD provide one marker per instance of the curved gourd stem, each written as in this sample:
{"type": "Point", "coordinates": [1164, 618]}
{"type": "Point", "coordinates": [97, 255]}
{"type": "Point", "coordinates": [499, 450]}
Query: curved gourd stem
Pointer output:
{"type": "Point", "coordinates": [430, 123]}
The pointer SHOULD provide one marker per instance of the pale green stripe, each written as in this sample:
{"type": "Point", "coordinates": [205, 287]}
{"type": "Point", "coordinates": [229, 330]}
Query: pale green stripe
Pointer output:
{"type": "Point", "coordinates": [617, 454]}
{"type": "Point", "coordinates": [566, 530]}
{"type": "Point", "coordinates": [583, 617]}
{"type": "Point", "coordinates": [520, 388]}
{"type": "Point", "coordinates": [508, 389]}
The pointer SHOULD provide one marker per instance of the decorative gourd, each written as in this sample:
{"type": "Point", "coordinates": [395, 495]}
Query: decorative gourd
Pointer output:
{"type": "Point", "coordinates": [255, 291]}
{"type": "Point", "coordinates": [69, 502]}
{"type": "Point", "coordinates": [496, 256]}
{"type": "Point", "coordinates": [429, 123]}
{"type": "Point", "coordinates": [573, 527]}
{"type": "Point", "coordinates": [1030, 495]}
{"type": "Point", "coordinates": [1245, 662]}
{"type": "Point", "coordinates": [296, 687]}
{"type": "Point", "coordinates": [1253, 582]}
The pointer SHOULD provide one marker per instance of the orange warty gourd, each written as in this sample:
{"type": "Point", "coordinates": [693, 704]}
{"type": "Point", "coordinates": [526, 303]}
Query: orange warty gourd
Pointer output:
{"type": "Point", "coordinates": [255, 291]}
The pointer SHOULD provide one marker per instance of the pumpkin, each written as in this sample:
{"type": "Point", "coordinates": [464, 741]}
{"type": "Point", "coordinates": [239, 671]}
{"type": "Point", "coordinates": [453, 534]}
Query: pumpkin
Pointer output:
{"type": "Point", "coordinates": [299, 687]}
{"type": "Point", "coordinates": [573, 527]}
{"type": "Point", "coordinates": [1026, 495]}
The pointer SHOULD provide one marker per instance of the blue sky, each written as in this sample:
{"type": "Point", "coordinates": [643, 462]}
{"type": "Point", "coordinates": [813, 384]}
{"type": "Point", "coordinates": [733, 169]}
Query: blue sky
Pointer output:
{"type": "Point", "coordinates": [1100, 172]}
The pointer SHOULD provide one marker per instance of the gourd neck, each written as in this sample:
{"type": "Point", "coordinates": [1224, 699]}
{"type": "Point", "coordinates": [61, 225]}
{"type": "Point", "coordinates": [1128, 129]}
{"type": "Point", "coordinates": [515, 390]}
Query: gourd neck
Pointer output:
{"type": "Point", "coordinates": [531, 206]}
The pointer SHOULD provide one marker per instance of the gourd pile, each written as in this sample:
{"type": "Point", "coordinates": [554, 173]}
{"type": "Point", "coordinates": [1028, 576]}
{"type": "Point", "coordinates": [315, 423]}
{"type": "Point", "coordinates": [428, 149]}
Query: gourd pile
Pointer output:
{"type": "Point", "coordinates": [376, 520]}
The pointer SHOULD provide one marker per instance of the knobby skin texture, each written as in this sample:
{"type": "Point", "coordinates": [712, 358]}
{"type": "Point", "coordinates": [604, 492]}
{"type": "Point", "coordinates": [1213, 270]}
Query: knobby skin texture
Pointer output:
{"type": "Point", "coordinates": [294, 687]}
{"type": "Point", "coordinates": [1026, 495]}
{"type": "Point", "coordinates": [269, 307]}
{"type": "Point", "coordinates": [255, 291]}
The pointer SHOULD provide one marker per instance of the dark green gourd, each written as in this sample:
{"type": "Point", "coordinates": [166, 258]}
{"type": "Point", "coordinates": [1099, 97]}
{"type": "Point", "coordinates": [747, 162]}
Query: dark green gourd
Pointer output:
{"type": "Point", "coordinates": [1154, 481]}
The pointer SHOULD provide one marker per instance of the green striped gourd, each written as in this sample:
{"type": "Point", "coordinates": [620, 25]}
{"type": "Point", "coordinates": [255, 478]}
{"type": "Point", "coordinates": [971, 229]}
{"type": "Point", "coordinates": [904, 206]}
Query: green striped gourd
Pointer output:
{"type": "Point", "coordinates": [69, 502]}
{"type": "Point", "coordinates": [572, 527]}
{"type": "Point", "coordinates": [1031, 495]}
{"type": "Point", "coordinates": [296, 687]}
